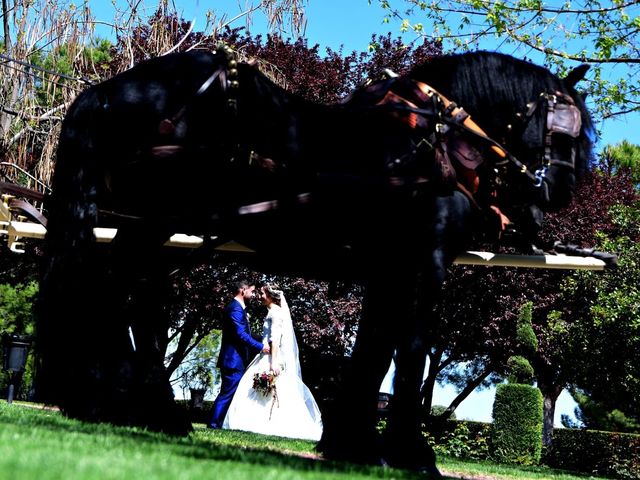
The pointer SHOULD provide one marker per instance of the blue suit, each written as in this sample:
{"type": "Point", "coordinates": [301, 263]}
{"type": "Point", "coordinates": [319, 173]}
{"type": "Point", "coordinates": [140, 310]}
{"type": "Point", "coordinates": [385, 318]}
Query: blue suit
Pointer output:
{"type": "Point", "coordinates": [238, 347]}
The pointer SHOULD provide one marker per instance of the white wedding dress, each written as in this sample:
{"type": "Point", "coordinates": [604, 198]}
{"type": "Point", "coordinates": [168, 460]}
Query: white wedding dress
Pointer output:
{"type": "Point", "coordinates": [294, 412]}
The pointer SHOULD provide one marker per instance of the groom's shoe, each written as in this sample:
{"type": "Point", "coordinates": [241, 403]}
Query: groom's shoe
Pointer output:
{"type": "Point", "coordinates": [213, 426]}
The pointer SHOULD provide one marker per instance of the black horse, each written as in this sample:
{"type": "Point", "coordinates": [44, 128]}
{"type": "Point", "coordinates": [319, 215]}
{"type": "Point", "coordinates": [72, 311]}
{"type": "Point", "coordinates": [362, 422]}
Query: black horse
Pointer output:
{"type": "Point", "coordinates": [386, 188]}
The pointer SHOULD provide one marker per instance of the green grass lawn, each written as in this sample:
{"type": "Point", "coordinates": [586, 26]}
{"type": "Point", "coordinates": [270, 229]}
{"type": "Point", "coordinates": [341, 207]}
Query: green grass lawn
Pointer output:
{"type": "Point", "coordinates": [40, 444]}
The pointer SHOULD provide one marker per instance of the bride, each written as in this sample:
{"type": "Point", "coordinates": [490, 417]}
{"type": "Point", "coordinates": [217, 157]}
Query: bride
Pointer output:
{"type": "Point", "coordinates": [290, 409]}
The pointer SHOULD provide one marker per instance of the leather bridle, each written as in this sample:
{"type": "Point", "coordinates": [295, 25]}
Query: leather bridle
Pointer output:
{"type": "Point", "coordinates": [562, 118]}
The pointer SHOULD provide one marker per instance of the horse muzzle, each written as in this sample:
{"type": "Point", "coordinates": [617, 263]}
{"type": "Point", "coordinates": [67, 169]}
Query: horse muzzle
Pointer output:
{"type": "Point", "coordinates": [555, 189]}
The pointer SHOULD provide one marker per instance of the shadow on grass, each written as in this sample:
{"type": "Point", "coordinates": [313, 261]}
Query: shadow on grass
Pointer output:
{"type": "Point", "coordinates": [203, 444]}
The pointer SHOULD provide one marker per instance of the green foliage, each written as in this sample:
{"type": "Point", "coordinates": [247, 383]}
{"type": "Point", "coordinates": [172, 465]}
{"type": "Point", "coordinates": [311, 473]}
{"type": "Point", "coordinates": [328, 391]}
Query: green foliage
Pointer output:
{"type": "Point", "coordinates": [614, 455]}
{"type": "Point", "coordinates": [560, 34]}
{"type": "Point", "coordinates": [16, 307]}
{"type": "Point", "coordinates": [624, 155]}
{"type": "Point", "coordinates": [437, 410]}
{"type": "Point", "coordinates": [597, 416]}
{"type": "Point", "coordinates": [16, 317]}
{"type": "Point", "coordinates": [516, 432]}
{"type": "Point", "coordinates": [99, 52]}
{"type": "Point", "coordinates": [461, 439]}
{"type": "Point", "coordinates": [525, 335]}
{"type": "Point", "coordinates": [47, 87]}
{"type": "Point", "coordinates": [198, 370]}
{"type": "Point", "coordinates": [520, 370]}
{"type": "Point", "coordinates": [594, 453]}
{"type": "Point", "coordinates": [609, 307]}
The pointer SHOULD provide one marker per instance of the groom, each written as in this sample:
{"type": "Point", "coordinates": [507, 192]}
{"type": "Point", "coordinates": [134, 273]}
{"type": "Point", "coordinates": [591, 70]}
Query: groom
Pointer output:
{"type": "Point", "coordinates": [238, 347]}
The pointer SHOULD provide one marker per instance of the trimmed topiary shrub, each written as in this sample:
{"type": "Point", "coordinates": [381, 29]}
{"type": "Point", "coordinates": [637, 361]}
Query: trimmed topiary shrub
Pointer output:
{"type": "Point", "coordinates": [516, 433]}
{"type": "Point", "coordinates": [520, 370]}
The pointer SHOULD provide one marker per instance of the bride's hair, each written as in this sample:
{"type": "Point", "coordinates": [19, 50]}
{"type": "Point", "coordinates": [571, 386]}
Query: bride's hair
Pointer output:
{"type": "Point", "coordinates": [274, 292]}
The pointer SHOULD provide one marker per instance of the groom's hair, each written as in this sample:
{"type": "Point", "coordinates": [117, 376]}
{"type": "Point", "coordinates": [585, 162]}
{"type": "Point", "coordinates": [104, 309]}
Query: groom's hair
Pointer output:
{"type": "Point", "coordinates": [239, 285]}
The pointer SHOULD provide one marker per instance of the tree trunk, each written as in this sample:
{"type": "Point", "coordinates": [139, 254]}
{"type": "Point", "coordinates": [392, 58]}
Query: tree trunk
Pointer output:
{"type": "Point", "coordinates": [550, 394]}
{"type": "Point", "coordinates": [426, 390]}
{"type": "Point", "coordinates": [466, 391]}
{"type": "Point", "coordinates": [5, 24]}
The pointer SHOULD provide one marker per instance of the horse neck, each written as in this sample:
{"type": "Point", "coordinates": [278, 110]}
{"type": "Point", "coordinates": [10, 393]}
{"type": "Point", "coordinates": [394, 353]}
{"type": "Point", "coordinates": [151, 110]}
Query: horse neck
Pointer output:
{"type": "Point", "coordinates": [492, 87]}
{"type": "Point", "coordinates": [301, 133]}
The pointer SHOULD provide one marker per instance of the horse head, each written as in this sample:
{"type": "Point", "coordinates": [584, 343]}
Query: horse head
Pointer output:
{"type": "Point", "coordinates": [511, 133]}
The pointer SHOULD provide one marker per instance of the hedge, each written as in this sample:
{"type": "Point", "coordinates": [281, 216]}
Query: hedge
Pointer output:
{"type": "Point", "coordinates": [594, 452]}
{"type": "Point", "coordinates": [197, 415]}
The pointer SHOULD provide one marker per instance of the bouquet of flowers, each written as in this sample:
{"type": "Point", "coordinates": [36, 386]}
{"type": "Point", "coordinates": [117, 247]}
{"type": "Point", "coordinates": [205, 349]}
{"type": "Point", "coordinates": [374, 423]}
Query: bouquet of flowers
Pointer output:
{"type": "Point", "coordinates": [265, 384]}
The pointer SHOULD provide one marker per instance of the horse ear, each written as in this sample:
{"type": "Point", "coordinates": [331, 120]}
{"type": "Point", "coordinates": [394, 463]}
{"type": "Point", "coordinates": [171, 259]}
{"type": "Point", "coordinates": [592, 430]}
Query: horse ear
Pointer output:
{"type": "Point", "coordinates": [575, 75]}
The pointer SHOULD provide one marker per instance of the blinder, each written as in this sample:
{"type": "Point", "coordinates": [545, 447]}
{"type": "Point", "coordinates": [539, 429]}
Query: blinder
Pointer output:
{"type": "Point", "coordinates": [563, 117]}
{"type": "Point", "coordinates": [563, 126]}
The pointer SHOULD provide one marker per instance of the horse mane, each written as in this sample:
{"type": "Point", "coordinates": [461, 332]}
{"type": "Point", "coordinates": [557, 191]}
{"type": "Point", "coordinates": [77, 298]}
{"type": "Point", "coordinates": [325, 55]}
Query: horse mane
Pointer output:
{"type": "Point", "coordinates": [493, 87]}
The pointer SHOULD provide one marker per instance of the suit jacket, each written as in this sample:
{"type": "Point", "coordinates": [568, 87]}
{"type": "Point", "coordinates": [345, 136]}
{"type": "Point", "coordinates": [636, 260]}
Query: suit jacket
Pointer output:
{"type": "Point", "coordinates": [238, 346]}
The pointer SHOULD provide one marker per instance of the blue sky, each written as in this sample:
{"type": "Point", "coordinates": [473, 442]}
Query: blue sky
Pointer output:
{"type": "Point", "coordinates": [350, 24]}
{"type": "Point", "coordinates": [347, 23]}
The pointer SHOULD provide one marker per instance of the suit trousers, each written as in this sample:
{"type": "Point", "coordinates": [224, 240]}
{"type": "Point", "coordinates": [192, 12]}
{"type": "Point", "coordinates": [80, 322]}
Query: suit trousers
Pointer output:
{"type": "Point", "coordinates": [228, 387]}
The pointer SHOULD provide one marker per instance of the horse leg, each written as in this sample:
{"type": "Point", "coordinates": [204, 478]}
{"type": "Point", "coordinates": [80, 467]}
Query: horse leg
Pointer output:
{"type": "Point", "coordinates": [80, 336]}
{"type": "Point", "coordinates": [350, 424]}
{"type": "Point", "coordinates": [404, 445]}
{"type": "Point", "coordinates": [143, 272]}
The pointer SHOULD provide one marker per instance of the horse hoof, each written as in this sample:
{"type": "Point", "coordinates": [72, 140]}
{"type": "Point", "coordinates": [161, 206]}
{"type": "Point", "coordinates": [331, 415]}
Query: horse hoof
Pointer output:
{"type": "Point", "coordinates": [355, 452]}
{"type": "Point", "coordinates": [431, 471]}
{"type": "Point", "coordinates": [404, 464]}
{"type": "Point", "coordinates": [413, 458]}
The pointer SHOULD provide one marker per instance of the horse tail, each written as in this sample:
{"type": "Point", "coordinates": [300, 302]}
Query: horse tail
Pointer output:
{"type": "Point", "coordinates": [68, 270]}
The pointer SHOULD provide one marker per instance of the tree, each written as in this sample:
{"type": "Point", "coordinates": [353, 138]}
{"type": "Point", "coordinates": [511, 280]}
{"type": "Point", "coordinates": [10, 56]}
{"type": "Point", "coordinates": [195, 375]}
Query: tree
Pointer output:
{"type": "Point", "coordinates": [198, 369]}
{"type": "Point", "coordinates": [585, 31]}
{"type": "Point", "coordinates": [598, 313]}
{"type": "Point", "coordinates": [597, 416]}
{"type": "Point", "coordinates": [625, 156]}
{"type": "Point", "coordinates": [518, 408]}
{"type": "Point", "coordinates": [609, 307]}
{"type": "Point", "coordinates": [39, 36]}
{"type": "Point", "coordinates": [477, 331]}
{"type": "Point", "coordinates": [16, 317]}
